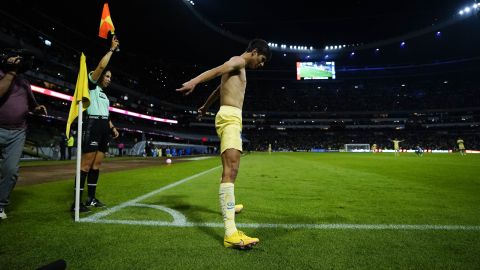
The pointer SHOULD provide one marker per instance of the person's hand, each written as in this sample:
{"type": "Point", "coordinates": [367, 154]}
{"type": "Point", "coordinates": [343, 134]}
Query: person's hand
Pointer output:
{"type": "Point", "coordinates": [186, 88]}
{"type": "Point", "coordinates": [14, 63]}
{"type": "Point", "coordinates": [115, 43]}
{"type": "Point", "coordinates": [115, 133]}
{"type": "Point", "coordinates": [201, 112]}
{"type": "Point", "coordinates": [41, 109]}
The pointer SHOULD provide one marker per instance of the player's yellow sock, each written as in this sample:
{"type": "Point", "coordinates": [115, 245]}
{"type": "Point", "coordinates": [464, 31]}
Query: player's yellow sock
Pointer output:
{"type": "Point", "coordinates": [227, 204]}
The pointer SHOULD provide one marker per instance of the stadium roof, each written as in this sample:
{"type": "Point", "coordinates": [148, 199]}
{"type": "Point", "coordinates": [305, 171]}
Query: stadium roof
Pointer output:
{"type": "Point", "coordinates": [209, 31]}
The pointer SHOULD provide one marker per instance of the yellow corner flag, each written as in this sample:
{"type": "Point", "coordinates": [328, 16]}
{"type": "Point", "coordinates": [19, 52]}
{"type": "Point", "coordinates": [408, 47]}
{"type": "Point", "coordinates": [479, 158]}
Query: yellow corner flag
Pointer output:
{"type": "Point", "coordinates": [81, 94]}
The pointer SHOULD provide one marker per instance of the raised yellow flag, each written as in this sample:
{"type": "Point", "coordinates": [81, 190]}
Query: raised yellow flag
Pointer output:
{"type": "Point", "coordinates": [81, 94]}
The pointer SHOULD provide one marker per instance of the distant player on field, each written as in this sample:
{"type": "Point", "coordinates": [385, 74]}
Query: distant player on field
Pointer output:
{"type": "Point", "coordinates": [419, 151]}
{"type": "Point", "coordinates": [396, 146]}
{"type": "Point", "coordinates": [269, 148]}
{"type": "Point", "coordinates": [374, 148]}
{"type": "Point", "coordinates": [461, 146]}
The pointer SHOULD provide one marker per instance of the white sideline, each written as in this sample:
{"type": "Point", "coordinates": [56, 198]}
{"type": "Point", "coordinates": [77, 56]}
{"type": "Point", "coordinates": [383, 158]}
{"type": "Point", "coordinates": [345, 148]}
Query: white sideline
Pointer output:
{"type": "Point", "coordinates": [179, 220]}
{"type": "Point", "coordinates": [409, 227]}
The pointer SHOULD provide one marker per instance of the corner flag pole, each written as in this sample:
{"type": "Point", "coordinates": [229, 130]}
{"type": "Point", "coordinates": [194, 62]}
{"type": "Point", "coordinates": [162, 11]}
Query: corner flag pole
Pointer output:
{"type": "Point", "coordinates": [79, 161]}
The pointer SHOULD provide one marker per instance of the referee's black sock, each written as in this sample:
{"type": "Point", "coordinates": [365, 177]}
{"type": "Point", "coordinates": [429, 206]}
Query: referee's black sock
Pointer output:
{"type": "Point", "coordinates": [92, 182]}
{"type": "Point", "coordinates": [83, 177]}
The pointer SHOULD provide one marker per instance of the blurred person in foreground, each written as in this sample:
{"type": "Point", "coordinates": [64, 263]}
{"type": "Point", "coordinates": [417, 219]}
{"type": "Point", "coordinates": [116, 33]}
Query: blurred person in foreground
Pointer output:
{"type": "Point", "coordinates": [16, 100]}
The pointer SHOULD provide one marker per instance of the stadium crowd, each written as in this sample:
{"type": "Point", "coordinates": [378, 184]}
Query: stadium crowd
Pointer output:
{"type": "Point", "coordinates": [431, 109]}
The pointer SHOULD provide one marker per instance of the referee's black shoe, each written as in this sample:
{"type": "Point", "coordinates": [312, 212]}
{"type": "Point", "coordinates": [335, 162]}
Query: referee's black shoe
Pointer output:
{"type": "Point", "coordinates": [95, 202]}
{"type": "Point", "coordinates": [83, 208]}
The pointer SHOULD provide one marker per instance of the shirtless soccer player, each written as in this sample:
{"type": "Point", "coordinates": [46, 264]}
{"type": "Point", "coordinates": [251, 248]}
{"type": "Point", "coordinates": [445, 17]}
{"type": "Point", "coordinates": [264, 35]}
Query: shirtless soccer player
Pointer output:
{"type": "Point", "coordinates": [228, 123]}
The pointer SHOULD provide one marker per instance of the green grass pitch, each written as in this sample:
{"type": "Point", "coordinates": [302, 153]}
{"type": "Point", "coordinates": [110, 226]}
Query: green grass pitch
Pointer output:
{"type": "Point", "coordinates": [282, 188]}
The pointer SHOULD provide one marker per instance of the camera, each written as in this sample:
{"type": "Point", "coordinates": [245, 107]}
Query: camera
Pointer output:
{"type": "Point", "coordinates": [26, 60]}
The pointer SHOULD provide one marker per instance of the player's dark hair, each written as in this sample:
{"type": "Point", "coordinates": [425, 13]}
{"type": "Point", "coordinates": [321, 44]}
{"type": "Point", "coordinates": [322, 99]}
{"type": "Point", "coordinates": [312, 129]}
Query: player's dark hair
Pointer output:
{"type": "Point", "coordinates": [261, 46]}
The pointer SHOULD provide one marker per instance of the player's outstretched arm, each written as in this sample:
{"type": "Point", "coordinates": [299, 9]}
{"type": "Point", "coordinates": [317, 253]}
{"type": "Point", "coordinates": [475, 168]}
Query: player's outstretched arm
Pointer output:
{"type": "Point", "coordinates": [234, 63]}
{"type": "Point", "coordinates": [210, 100]}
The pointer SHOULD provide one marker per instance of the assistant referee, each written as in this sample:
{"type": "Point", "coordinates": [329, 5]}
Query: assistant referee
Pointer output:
{"type": "Point", "coordinates": [97, 129]}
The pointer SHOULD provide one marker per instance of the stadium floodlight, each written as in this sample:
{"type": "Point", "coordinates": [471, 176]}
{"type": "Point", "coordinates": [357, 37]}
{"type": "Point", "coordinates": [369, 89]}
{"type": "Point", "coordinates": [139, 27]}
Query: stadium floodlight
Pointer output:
{"type": "Point", "coordinates": [48, 42]}
{"type": "Point", "coordinates": [326, 56]}
{"type": "Point", "coordinates": [326, 48]}
{"type": "Point", "coordinates": [467, 10]}
{"type": "Point", "coordinates": [331, 47]}
{"type": "Point", "coordinates": [460, 12]}
{"type": "Point", "coordinates": [402, 44]}
{"type": "Point", "coordinates": [311, 47]}
{"type": "Point", "coordinates": [352, 54]}
{"type": "Point", "coordinates": [377, 49]}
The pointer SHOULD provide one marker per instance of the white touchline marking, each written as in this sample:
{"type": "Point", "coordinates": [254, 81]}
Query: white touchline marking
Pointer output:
{"type": "Point", "coordinates": [420, 227]}
{"type": "Point", "coordinates": [179, 220]}
{"type": "Point", "coordinates": [197, 158]}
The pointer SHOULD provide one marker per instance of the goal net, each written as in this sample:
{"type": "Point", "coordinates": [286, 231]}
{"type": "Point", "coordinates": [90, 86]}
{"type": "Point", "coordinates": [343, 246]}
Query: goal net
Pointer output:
{"type": "Point", "coordinates": [357, 147]}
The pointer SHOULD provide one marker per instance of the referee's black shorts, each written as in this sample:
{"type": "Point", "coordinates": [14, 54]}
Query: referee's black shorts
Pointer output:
{"type": "Point", "coordinates": [95, 134]}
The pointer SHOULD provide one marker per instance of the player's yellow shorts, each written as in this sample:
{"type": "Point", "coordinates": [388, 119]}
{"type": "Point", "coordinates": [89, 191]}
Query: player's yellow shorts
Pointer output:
{"type": "Point", "coordinates": [228, 123]}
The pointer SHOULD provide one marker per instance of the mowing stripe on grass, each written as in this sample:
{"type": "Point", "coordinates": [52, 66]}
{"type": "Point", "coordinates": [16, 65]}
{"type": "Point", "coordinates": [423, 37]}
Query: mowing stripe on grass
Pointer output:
{"type": "Point", "coordinates": [143, 197]}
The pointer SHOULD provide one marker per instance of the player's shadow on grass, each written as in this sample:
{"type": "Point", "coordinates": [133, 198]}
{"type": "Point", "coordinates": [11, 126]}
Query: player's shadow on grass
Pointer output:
{"type": "Point", "coordinates": [193, 214]}
{"type": "Point", "coordinates": [210, 231]}
{"type": "Point", "coordinates": [176, 202]}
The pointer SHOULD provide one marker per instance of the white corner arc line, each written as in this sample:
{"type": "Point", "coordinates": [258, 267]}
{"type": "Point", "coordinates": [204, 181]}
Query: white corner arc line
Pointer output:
{"type": "Point", "coordinates": [143, 197]}
{"type": "Point", "coordinates": [178, 218]}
